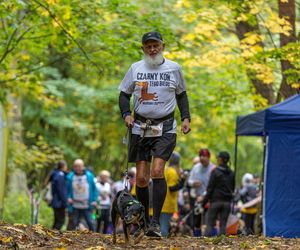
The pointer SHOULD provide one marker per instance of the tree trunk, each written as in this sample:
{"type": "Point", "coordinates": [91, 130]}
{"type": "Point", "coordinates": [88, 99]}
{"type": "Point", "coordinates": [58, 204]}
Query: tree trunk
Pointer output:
{"type": "Point", "coordinates": [286, 10]}
{"type": "Point", "coordinates": [265, 90]}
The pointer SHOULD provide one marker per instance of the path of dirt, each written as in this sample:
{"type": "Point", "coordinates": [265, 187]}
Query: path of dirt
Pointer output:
{"type": "Point", "coordinates": [19, 236]}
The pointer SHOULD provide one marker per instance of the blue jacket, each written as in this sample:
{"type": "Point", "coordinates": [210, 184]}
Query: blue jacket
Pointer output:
{"type": "Point", "coordinates": [92, 188]}
{"type": "Point", "coordinates": [59, 189]}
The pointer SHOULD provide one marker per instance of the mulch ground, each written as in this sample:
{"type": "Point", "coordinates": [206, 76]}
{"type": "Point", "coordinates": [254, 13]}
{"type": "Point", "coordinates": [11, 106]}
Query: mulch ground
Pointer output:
{"type": "Point", "coordinates": [19, 236]}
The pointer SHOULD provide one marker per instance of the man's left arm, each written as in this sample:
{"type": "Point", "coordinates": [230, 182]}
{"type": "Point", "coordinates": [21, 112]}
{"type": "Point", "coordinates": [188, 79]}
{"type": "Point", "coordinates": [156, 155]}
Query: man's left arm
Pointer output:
{"type": "Point", "coordinates": [183, 102]}
{"type": "Point", "coordinates": [183, 105]}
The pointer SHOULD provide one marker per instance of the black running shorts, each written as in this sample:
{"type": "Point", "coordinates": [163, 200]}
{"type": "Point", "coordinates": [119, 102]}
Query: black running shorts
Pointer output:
{"type": "Point", "coordinates": [143, 149]}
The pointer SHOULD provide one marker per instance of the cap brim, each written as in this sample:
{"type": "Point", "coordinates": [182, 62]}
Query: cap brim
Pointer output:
{"type": "Point", "coordinates": [152, 38]}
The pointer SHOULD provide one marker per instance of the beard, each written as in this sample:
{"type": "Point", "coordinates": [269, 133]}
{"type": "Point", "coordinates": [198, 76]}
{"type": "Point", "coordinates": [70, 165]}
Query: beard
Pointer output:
{"type": "Point", "coordinates": [154, 61]}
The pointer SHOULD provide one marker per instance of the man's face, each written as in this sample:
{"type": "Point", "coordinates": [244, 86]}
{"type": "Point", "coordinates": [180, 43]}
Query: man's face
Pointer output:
{"type": "Point", "coordinates": [152, 48]}
{"type": "Point", "coordinates": [78, 168]}
{"type": "Point", "coordinates": [104, 178]}
{"type": "Point", "coordinates": [204, 160]}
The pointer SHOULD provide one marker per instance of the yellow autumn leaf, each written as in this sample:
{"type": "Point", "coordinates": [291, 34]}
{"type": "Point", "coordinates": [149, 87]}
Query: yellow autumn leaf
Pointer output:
{"type": "Point", "coordinates": [277, 25]}
{"type": "Point", "coordinates": [25, 57]}
{"type": "Point", "coordinates": [55, 23]}
{"type": "Point", "coordinates": [44, 12]}
{"type": "Point", "coordinates": [189, 37]}
{"type": "Point", "coordinates": [6, 239]}
{"type": "Point", "coordinates": [295, 85]}
{"type": "Point", "coordinates": [67, 13]}
{"type": "Point", "coordinates": [190, 17]}
{"type": "Point", "coordinates": [263, 72]}
{"type": "Point", "coordinates": [109, 17]}
{"type": "Point", "coordinates": [255, 9]}
{"type": "Point", "coordinates": [182, 3]}
{"type": "Point", "coordinates": [242, 18]}
{"type": "Point", "coordinates": [251, 38]}
{"type": "Point", "coordinates": [52, 2]}
{"type": "Point", "coordinates": [19, 224]}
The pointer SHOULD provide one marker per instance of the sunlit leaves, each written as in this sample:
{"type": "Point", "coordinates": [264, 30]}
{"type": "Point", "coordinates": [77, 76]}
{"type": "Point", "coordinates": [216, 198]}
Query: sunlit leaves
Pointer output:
{"type": "Point", "coordinates": [278, 25]}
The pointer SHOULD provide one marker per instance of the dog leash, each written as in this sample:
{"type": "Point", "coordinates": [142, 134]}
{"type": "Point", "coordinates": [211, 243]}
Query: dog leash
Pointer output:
{"type": "Point", "coordinates": [126, 140]}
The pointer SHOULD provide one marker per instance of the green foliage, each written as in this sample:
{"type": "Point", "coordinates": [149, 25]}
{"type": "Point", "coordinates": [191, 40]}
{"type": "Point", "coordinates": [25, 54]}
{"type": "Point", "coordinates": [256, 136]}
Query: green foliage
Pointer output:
{"type": "Point", "coordinates": [36, 160]}
{"type": "Point", "coordinates": [65, 59]}
{"type": "Point", "coordinates": [17, 210]}
{"type": "Point", "coordinates": [218, 239]}
{"type": "Point", "coordinates": [244, 245]}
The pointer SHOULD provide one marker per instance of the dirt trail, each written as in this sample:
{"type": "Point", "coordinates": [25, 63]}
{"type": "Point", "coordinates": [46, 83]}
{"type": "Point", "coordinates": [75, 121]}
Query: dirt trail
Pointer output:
{"type": "Point", "coordinates": [19, 236]}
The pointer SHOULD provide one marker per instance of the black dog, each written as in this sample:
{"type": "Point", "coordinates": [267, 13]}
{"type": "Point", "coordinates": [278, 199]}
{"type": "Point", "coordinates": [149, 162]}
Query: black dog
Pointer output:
{"type": "Point", "coordinates": [131, 211]}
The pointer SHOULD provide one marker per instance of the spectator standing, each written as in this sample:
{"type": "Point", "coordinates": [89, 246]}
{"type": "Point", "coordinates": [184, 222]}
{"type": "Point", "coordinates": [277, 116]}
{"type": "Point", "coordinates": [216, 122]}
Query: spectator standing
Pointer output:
{"type": "Point", "coordinates": [219, 193]}
{"type": "Point", "coordinates": [82, 194]}
{"type": "Point", "coordinates": [59, 194]}
{"type": "Point", "coordinates": [104, 191]}
{"type": "Point", "coordinates": [198, 181]}
{"type": "Point", "coordinates": [174, 183]}
{"type": "Point", "coordinates": [248, 192]}
{"type": "Point", "coordinates": [119, 184]}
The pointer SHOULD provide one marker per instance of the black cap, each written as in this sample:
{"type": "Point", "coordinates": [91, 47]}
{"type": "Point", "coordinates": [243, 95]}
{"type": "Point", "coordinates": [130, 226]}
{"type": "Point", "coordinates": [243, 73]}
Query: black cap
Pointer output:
{"type": "Point", "coordinates": [153, 35]}
{"type": "Point", "coordinates": [224, 155]}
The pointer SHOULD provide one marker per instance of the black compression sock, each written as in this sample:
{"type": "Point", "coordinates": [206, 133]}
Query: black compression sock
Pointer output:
{"type": "Point", "coordinates": [159, 195]}
{"type": "Point", "coordinates": [142, 194]}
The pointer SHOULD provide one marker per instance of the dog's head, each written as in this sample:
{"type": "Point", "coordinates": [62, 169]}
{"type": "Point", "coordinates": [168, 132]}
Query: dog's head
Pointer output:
{"type": "Point", "coordinates": [135, 212]}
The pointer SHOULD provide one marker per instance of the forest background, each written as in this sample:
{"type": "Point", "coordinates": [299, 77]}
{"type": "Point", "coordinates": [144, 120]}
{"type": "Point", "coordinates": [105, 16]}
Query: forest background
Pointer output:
{"type": "Point", "coordinates": [61, 62]}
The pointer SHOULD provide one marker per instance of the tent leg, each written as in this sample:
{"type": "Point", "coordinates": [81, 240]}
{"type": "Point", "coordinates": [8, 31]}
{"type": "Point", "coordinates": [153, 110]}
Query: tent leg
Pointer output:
{"type": "Point", "coordinates": [235, 158]}
{"type": "Point", "coordinates": [259, 218]}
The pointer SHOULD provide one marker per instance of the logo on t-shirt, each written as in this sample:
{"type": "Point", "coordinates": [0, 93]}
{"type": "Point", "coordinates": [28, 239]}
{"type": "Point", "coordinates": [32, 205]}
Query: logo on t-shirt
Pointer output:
{"type": "Point", "coordinates": [145, 95]}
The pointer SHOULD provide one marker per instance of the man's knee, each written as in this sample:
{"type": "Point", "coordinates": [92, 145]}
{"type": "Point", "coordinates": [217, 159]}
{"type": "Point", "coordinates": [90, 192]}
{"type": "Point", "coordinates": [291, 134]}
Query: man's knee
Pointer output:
{"type": "Point", "coordinates": [158, 172]}
{"type": "Point", "coordinates": [158, 168]}
{"type": "Point", "coordinates": [142, 181]}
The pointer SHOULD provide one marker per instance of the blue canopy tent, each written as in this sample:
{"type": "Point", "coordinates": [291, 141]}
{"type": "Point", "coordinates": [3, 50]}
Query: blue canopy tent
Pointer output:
{"type": "Point", "coordinates": [280, 126]}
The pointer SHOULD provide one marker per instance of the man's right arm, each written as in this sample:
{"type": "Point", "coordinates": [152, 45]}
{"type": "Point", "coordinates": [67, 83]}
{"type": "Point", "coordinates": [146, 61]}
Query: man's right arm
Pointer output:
{"type": "Point", "coordinates": [124, 105]}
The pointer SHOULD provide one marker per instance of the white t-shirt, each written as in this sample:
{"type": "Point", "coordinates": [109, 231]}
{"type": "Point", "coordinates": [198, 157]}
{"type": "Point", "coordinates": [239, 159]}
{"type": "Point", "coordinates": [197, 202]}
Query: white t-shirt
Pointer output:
{"type": "Point", "coordinates": [154, 89]}
{"type": "Point", "coordinates": [81, 192]}
{"type": "Point", "coordinates": [202, 174]}
{"type": "Point", "coordinates": [104, 191]}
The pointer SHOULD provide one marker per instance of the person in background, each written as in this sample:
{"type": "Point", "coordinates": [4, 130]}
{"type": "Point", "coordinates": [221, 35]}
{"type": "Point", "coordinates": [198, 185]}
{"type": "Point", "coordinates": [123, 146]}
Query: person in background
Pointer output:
{"type": "Point", "coordinates": [256, 180]}
{"type": "Point", "coordinates": [196, 160]}
{"type": "Point", "coordinates": [104, 190]}
{"type": "Point", "coordinates": [119, 184]}
{"type": "Point", "coordinates": [248, 192]}
{"type": "Point", "coordinates": [174, 183]}
{"type": "Point", "coordinates": [183, 194]}
{"type": "Point", "coordinates": [59, 194]}
{"type": "Point", "coordinates": [198, 181]}
{"type": "Point", "coordinates": [219, 193]}
{"type": "Point", "coordinates": [82, 194]}
{"type": "Point", "coordinates": [132, 181]}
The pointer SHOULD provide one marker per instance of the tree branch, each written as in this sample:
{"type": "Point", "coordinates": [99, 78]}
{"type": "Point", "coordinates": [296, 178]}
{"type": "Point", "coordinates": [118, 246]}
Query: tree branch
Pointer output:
{"type": "Point", "coordinates": [268, 31]}
{"type": "Point", "coordinates": [7, 49]}
{"type": "Point", "coordinates": [37, 37]}
{"type": "Point", "coordinates": [52, 15]}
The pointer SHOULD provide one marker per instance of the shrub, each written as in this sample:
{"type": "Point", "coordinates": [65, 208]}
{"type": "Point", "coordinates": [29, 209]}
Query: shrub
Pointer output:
{"type": "Point", "coordinates": [17, 209]}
